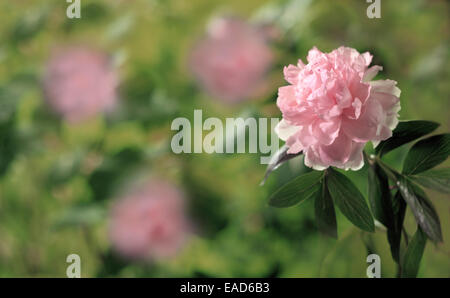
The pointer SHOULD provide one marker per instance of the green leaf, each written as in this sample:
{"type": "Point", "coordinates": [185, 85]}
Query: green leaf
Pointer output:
{"type": "Point", "coordinates": [324, 211]}
{"type": "Point", "coordinates": [424, 212]}
{"type": "Point", "coordinates": [426, 154]}
{"type": "Point", "coordinates": [349, 200]}
{"type": "Point", "coordinates": [413, 255]}
{"type": "Point", "coordinates": [394, 234]}
{"type": "Point", "coordinates": [389, 211]}
{"type": "Point", "coordinates": [438, 179]}
{"type": "Point", "coordinates": [280, 157]}
{"type": "Point", "coordinates": [297, 190]}
{"type": "Point", "coordinates": [405, 132]}
{"type": "Point", "coordinates": [380, 196]}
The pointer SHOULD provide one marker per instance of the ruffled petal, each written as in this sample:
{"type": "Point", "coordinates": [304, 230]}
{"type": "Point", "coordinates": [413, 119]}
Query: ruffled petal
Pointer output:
{"type": "Point", "coordinates": [385, 86]}
{"type": "Point", "coordinates": [286, 98]}
{"type": "Point", "coordinates": [387, 101]}
{"type": "Point", "coordinates": [326, 131]}
{"type": "Point", "coordinates": [285, 130]}
{"type": "Point", "coordinates": [313, 54]}
{"type": "Point", "coordinates": [356, 159]}
{"type": "Point", "coordinates": [291, 74]}
{"type": "Point", "coordinates": [294, 145]}
{"type": "Point", "coordinates": [295, 113]}
{"type": "Point", "coordinates": [365, 127]}
{"type": "Point", "coordinates": [367, 57]}
{"type": "Point", "coordinates": [371, 73]}
{"type": "Point", "coordinates": [300, 140]}
{"type": "Point", "coordinates": [313, 161]}
{"type": "Point", "coordinates": [337, 152]}
{"type": "Point", "coordinates": [300, 64]}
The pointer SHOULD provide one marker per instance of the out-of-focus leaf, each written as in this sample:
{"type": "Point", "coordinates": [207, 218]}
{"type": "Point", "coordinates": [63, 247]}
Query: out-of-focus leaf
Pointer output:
{"type": "Point", "coordinates": [437, 179]}
{"type": "Point", "coordinates": [111, 264]}
{"type": "Point", "coordinates": [30, 24]}
{"type": "Point", "coordinates": [324, 211]}
{"type": "Point", "coordinates": [424, 212]}
{"type": "Point", "coordinates": [297, 190]}
{"type": "Point", "coordinates": [80, 216]}
{"type": "Point", "coordinates": [7, 153]}
{"type": "Point", "coordinates": [426, 154]}
{"type": "Point", "coordinates": [207, 206]}
{"type": "Point", "coordinates": [349, 200]}
{"type": "Point", "coordinates": [107, 178]}
{"type": "Point", "coordinates": [8, 145]}
{"type": "Point", "coordinates": [431, 65]}
{"type": "Point", "coordinates": [380, 196]}
{"type": "Point", "coordinates": [94, 11]}
{"type": "Point", "coordinates": [120, 27]}
{"type": "Point", "coordinates": [405, 132]}
{"type": "Point", "coordinates": [280, 157]}
{"type": "Point", "coordinates": [10, 98]}
{"type": "Point", "coordinates": [394, 234]}
{"type": "Point", "coordinates": [65, 167]}
{"type": "Point", "coordinates": [413, 255]}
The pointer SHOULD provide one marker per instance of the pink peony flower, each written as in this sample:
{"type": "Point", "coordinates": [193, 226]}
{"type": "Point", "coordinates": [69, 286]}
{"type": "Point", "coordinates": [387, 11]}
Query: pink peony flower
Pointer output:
{"type": "Point", "coordinates": [232, 60]}
{"type": "Point", "coordinates": [79, 83]}
{"type": "Point", "coordinates": [149, 223]}
{"type": "Point", "coordinates": [331, 108]}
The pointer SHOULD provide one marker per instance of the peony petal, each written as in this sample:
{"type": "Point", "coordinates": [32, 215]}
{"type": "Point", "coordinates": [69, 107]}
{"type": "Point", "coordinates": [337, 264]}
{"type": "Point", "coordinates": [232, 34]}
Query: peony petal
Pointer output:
{"type": "Point", "coordinates": [285, 130]}
{"type": "Point", "coordinates": [291, 74]}
{"type": "Point", "coordinates": [384, 134]}
{"type": "Point", "coordinates": [300, 64]}
{"type": "Point", "coordinates": [357, 105]}
{"type": "Point", "coordinates": [371, 73]}
{"type": "Point", "coordinates": [295, 113]}
{"type": "Point", "coordinates": [359, 89]}
{"type": "Point", "coordinates": [367, 57]}
{"type": "Point", "coordinates": [333, 112]}
{"type": "Point", "coordinates": [300, 140]}
{"type": "Point", "coordinates": [312, 160]}
{"type": "Point", "coordinates": [391, 120]}
{"type": "Point", "coordinates": [294, 145]}
{"type": "Point", "coordinates": [338, 152]}
{"type": "Point", "coordinates": [385, 86]}
{"type": "Point", "coordinates": [387, 100]}
{"type": "Point", "coordinates": [313, 54]}
{"type": "Point", "coordinates": [365, 127]}
{"type": "Point", "coordinates": [326, 131]}
{"type": "Point", "coordinates": [356, 159]}
{"type": "Point", "coordinates": [306, 137]}
{"type": "Point", "coordinates": [286, 98]}
{"type": "Point", "coordinates": [341, 94]}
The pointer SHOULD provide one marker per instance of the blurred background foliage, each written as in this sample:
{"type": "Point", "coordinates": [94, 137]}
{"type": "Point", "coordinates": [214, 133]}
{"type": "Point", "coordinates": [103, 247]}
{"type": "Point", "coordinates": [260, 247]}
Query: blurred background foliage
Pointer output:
{"type": "Point", "coordinates": [57, 179]}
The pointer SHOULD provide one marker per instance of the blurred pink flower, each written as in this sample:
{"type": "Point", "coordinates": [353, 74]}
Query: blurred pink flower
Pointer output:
{"type": "Point", "coordinates": [332, 108]}
{"type": "Point", "coordinates": [232, 60]}
{"type": "Point", "coordinates": [149, 223]}
{"type": "Point", "coordinates": [80, 83]}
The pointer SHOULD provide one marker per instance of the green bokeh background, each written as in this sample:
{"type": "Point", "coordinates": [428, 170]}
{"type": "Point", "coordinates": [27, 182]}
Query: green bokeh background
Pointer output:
{"type": "Point", "coordinates": [57, 180]}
